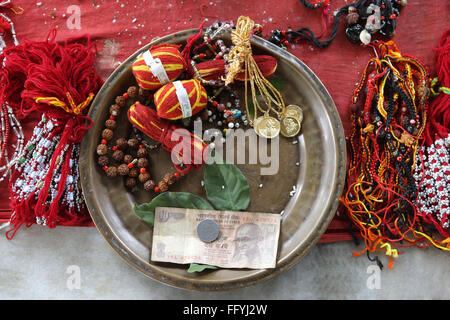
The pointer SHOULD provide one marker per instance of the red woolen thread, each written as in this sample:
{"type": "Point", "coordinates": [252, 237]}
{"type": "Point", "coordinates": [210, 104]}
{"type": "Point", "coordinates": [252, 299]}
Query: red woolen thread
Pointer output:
{"type": "Point", "coordinates": [146, 120]}
{"type": "Point", "coordinates": [215, 69]}
{"type": "Point", "coordinates": [186, 53]}
{"type": "Point", "coordinates": [326, 18]}
{"type": "Point", "coordinates": [167, 54]}
{"type": "Point", "coordinates": [438, 125]}
{"type": "Point", "coordinates": [54, 206]}
{"type": "Point", "coordinates": [48, 69]}
{"type": "Point", "coordinates": [437, 128]}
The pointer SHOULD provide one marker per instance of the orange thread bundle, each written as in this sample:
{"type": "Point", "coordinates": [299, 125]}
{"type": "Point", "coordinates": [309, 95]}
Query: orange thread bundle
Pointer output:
{"type": "Point", "coordinates": [168, 106]}
{"type": "Point", "coordinates": [171, 59]}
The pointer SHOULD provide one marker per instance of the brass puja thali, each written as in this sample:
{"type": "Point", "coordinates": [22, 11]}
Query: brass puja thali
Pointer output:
{"type": "Point", "coordinates": [305, 189]}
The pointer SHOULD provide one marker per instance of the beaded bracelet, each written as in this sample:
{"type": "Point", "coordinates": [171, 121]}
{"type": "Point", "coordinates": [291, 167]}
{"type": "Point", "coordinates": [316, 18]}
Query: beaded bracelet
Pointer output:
{"type": "Point", "coordinates": [227, 115]}
{"type": "Point", "coordinates": [129, 154]}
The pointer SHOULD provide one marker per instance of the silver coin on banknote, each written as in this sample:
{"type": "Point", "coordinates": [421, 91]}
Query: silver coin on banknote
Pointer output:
{"type": "Point", "coordinates": [208, 230]}
{"type": "Point", "coordinates": [224, 239]}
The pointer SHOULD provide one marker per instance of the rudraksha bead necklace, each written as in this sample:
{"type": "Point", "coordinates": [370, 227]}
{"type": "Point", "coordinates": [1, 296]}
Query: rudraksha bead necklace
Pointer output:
{"type": "Point", "coordinates": [128, 157]}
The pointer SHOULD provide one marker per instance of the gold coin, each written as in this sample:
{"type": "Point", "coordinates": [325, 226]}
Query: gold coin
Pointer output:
{"type": "Point", "coordinates": [256, 124]}
{"type": "Point", "coordinates": [294, 112]}
{"type": "Point", "coordinates": [290, 126]}
{"type": "Point", "coordinates": [267, 127]}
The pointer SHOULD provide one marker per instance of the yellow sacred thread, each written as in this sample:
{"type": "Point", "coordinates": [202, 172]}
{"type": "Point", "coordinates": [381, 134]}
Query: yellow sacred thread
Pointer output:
{"type": "Point", "coordinates": [74, 109]}
{"type": "Point", "coordinates": [241, 59]}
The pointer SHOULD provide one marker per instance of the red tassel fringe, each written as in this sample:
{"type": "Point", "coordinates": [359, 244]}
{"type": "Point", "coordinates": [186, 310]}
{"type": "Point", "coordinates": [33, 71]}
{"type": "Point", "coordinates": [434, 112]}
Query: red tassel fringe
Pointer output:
{"type": "Point", "coordinates": [438, 126]}
{"type": "Point", "coordinates": [64, 73]}
{"type": "Point", "coordinates": [146, 120]}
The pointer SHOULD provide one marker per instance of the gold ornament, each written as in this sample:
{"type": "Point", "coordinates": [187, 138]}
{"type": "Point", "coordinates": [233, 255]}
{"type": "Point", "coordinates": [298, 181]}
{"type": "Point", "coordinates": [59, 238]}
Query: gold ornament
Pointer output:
{"type": "Point", "coordinates": [294, 112]}
{"type": "Point", "coordinates": [291, 121]}
{"type": "Point", "coordinates": [290, 126]}
{"type": "Point", "coordinates": [267, 126]}
{"type": "Point", "coordinates": [241, 59]}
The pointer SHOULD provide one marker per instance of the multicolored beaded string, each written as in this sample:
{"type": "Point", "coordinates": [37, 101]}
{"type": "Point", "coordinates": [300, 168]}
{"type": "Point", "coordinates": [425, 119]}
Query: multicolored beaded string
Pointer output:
{"type": "Point", "coordinates": [8, 122]}
{"type": "Point", "coordinates": [8, 118]}
{"type": "Point", "coordinates": [433, 166]}
{"type": "Point", "coordinates": [226, 115]}
{"type": "Point", "coordinates": [128, 157]}
{"type": "Point", "coordinates": [389, 115]}
{"type": "Point", "coordinates": [33, 166]}
{"type": "Point", "coordinates": [6, 24]}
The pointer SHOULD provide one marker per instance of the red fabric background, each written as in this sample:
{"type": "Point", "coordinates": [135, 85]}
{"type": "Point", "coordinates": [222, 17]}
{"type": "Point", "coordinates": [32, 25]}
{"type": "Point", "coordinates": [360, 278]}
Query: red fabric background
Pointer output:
{"type": "Point", "coordinates": [120, 27]}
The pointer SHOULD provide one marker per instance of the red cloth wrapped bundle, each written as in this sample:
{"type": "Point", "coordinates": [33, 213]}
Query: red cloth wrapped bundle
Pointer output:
{"type": "Point", "coordinates": [172, 62]}
{"type": "Point", "coordinates": [215, 69]}
{"type": "Point", "coordinates": [167, 101]}
{"type": "Point", "coordinates": [186, 148]}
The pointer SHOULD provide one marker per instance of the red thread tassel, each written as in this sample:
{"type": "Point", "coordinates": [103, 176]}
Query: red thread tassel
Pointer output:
{"type": "Point", "coordinates": [58, 81]}
{"type": "Point", "coordinates": [438, 126]}
{"type": "Point", "coordinates": [434, 204]}
{"type": "Point", "coordinates": [186, 53]}
{"type": "Point", "coordinates": [215, 69]}
{"type": "Point", "coordinates": [171, 136]}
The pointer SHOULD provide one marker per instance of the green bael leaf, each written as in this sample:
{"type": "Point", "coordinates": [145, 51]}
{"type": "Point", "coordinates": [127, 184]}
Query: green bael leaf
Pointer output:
{"type": "Point", "coordinates": [226, 187]}
{"type": "Point", "coordinates": [146, 211]}
{"type": "Point", "coordinates": [194, 267]}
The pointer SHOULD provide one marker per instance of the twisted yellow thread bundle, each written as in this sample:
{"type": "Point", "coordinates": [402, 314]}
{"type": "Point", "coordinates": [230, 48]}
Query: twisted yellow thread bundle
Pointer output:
{"type": "Point", "coordinates": [242, 49]}
{"type": "Point", "coordinates": [241, 58]}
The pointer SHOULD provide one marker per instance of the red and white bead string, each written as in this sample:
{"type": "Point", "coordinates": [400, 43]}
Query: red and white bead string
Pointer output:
{"type": "Point", "coordinates": [5, 24]}
{"type": "Point", "coordinates": [8, 122]}
{"type": "Point", "coordinates": [434, 190]}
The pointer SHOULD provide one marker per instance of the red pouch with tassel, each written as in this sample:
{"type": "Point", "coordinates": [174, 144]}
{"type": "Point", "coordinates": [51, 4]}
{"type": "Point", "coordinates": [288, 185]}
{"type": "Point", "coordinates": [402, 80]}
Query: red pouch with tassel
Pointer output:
{"type": "Point", "coordinates": [187, 150]}
{"type": "Point", "coordinates": [58, 82]}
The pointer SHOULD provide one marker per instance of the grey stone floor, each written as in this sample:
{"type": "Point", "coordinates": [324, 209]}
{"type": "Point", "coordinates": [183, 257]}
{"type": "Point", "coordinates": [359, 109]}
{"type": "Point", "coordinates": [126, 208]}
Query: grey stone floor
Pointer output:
{"type": "Point", "coordinates": [34, 265]}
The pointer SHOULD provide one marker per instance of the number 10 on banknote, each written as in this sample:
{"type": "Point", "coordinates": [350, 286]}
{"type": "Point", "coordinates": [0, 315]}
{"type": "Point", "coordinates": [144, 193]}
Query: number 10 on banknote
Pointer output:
{"type": "Point", "coordinates": [226, 239]}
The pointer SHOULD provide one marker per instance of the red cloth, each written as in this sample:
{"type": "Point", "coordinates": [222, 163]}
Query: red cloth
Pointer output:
{"type": "Point", "coordinates": [123, 26]}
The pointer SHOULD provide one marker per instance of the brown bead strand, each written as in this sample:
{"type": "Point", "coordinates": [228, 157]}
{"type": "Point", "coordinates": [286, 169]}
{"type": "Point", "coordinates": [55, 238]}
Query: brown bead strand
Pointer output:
{"type": "Point", "coordinates": [132, 168]}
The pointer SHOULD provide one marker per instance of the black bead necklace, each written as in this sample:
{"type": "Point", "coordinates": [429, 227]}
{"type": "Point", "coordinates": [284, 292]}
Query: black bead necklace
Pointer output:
{"type": "Point", "coordinates": [364, 18]}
